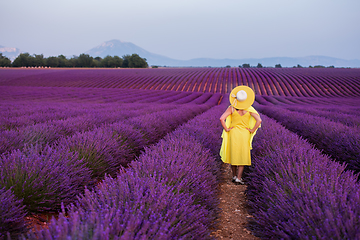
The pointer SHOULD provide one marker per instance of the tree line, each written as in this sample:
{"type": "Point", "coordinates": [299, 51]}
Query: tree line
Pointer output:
{"type": "Point", "coordinates": [247, 65]}
{"type": "Point", "coordinates": [83, 60]}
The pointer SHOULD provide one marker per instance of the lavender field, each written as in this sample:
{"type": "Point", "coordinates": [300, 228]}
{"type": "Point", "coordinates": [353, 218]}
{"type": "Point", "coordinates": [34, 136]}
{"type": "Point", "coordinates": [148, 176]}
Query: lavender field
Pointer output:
{"type": "Point", "coordinates": [133, 153]}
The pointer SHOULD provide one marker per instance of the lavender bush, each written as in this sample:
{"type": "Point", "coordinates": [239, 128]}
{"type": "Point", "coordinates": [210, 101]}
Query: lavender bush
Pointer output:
{"type": "Point", "coordinates": [12, 215]}
{"type": "Point", "coordinates": [206, 128]}
{"type": "Point", "coordinates": [179, 164]}
{"type": "Point", "coordinates": [180, 161]}
{"type": "Point", "coordinates": [347, 119]}
{"type": "Point", "coordinates": [296, 192]}
{"type": "Point", "coordinates": [48, 132]}
{"type": "Point", "coordinates": [335, 139]}
{"type": "Point", "coordinates": [126, 136]}
{"type": "Point", "coordinates": [129, 207]}
{"type": "Point", "coordinates": [157, 125]}
{"type": "Point", "coordinates": [43, 178]}
{"type": "Point", "coordinates": [9, 140]}
{"type": "Point", "coordinates": [98, 149]}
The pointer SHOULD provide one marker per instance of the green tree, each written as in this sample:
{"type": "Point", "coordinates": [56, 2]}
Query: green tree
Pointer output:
{"type": "Point", "coordinates": [97, 61]}
{"type": "Point", "coordinates": [117, 62]}
{"type": "Point", "coordinates": [38, 60]}
{"type": "Point", "coordinates": [278, 65]}
{"type": "Point", "coordinates": [105, 62]}
{"type": "Point", "coordinates": [246, 65]}
{"type": "Point", "coordinates": [134, 61]}
{"type": "Point", "coordinates": [63, 62]}
{"type": "Point", "coordinates": [52, 62]}
{"type": "Point", "coordinates": [112, 62]}
{"type": "Point", "coordinates": [126, 61]}
{"type": "Point", "coordinates": [73, 62]}
{"type": "Point", "coordinates": [137, 62]}
{"type": "Point", "coordinates": [23, 60]}
{"type": "Point", "coordinates": [85, 60]}
{"type": "Point", "coordinates": [4, 61]}
{"type": "Point", "coordinates": [259, 65]}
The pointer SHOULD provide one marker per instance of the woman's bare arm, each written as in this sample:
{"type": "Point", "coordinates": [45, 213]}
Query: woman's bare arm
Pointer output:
{"type": "Point", "coordinates": [257, 124]}
{"type": "Point", "coordinates": [223, 118]}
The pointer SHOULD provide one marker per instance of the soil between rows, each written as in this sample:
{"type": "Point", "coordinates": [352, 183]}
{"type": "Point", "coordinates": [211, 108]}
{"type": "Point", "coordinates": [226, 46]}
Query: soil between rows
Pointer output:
{"type": "Point", "coordinates": [233, 219]}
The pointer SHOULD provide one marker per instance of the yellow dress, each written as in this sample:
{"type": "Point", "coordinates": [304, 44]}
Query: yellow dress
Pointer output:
{"type": "Point", "coordinates": [236, 144]}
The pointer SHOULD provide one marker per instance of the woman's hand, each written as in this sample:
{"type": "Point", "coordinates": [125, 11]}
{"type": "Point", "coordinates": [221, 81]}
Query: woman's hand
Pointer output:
{"type": "Point", "coordinates": [251, 130]}
{"type": "Point", "coordinates": [228, 130]}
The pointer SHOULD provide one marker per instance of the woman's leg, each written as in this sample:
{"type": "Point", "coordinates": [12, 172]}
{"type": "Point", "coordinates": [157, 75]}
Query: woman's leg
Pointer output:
{"type": "Point", "coordinates": [234, 170]}
{"type": "Point", "coordinates": [240, 171]}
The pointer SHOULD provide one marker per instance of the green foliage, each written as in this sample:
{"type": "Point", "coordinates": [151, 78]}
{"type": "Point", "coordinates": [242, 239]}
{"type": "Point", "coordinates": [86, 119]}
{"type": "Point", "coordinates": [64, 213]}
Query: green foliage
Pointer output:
{"type": "Point", "coordinates": [246, 65]}
{"type": "Point", "coordinates": [83, 60]}
{"type": "Point", "coordinates": [137, 62]}
{"type": "Point", "coordinates": [62, 61]}
{"type": "Point", "coordinates": [278, 65]}
{"type": "Point", "coordinates": [39, 60]}
{"type": "Point", "coordinates": [228, 66]}
{"type": "Point", "coordinates": [111, 62]}
{"type": "Point", "coordinates": [134, 61]}
{"type": "Point", "coordinates": [52, 62]}
{"type": "Point", "coordinates": [4, 61]}
{"type": "Point", "coordinates": [23, 60]}
{"type": "Point", "coordinates": [259, 65]}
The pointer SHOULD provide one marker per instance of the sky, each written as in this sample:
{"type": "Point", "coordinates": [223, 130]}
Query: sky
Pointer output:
{"type": "Point", "coordinates": [186, 29]}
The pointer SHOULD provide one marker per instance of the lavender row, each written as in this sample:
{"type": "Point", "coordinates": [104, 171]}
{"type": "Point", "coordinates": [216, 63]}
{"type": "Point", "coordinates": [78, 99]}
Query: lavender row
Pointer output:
{"type": "Point", "coordinates": [98, 95]}
{"type": "Point", "coordinates": [168, 193]}
{"type": "Point", "coordinates": [16, 115]}
{"type": "Point", "coordinates": [335, 139]}
{"type": "Point", "coordinates": [350, 110]}
{"type": "Point", "coordinates": [107, 148]}
{"type": "Point", "coordinates": [296, 192]}
{"type": "Point", "coordinates": [297, 82]}
{"type": "Point", "coordinates": [333, 115]}
{"type": "Point", "coordinates": [45, 177]}
{"type": "Point", "coordinates": [49, 132]}
{"type": "Point", "coordinates": [323, 103]}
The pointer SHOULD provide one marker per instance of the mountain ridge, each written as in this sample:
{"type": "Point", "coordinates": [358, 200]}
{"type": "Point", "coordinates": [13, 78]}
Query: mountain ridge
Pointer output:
{"type": "Point", "coordinates": [119, 48]}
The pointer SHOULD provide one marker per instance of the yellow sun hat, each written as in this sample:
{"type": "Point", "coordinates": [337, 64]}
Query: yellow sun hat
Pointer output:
{"type": "Point", "coordinates": [242, 97]}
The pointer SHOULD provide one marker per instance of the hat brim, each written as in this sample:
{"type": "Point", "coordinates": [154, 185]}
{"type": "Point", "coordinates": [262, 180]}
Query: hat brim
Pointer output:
{"type": "Point", "coordinates": [242, 104]}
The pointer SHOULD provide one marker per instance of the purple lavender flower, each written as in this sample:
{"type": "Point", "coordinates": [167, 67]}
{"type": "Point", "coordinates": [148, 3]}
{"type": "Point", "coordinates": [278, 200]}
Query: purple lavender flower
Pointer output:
{"type": "Point", "coordinates": [44, 178]}
{"type": "Point", "coordinates": [12, 215]}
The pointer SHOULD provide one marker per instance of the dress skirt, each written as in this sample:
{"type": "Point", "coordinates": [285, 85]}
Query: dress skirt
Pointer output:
{"type": "Point", "coordinates": [239, 146]}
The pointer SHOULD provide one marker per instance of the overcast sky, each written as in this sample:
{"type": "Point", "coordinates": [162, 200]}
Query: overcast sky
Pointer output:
{"type": "Point", "coordinates": [186, 29]}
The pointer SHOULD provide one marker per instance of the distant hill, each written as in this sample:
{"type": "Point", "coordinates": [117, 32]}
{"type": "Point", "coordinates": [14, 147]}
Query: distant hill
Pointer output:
{"type": "Point", "coordinates": [10, 52]}
{"type": "Point", "coordinates": [119, 48]}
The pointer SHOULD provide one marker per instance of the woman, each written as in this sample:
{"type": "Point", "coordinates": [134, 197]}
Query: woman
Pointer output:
{"type": "Point", "coordinates": [240, 122]}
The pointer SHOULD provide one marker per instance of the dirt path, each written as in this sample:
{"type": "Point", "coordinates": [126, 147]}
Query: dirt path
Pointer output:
{"type": "Point", "coordinates": [233, 217]}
